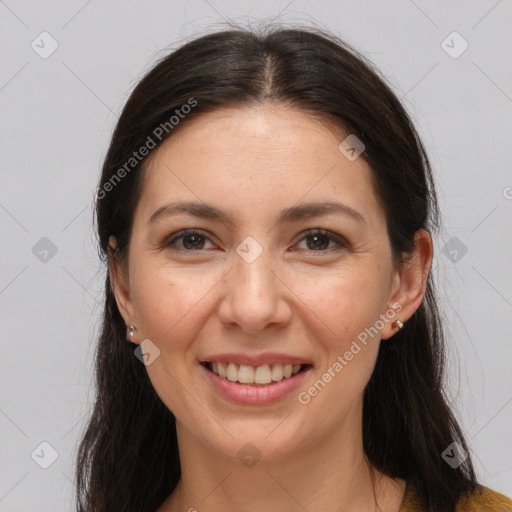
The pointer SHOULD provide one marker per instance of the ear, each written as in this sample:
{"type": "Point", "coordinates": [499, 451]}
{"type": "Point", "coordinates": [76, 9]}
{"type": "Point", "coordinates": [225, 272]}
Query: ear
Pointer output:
{"type": "Point", "coordinates": [120, 283]}
{"type": "Point", "coordinates": [410, 283]}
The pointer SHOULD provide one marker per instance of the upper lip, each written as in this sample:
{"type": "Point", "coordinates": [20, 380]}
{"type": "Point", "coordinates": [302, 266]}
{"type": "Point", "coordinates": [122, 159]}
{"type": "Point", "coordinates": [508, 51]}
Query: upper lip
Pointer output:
{"type": "Point", "coordinates": [256, 360]}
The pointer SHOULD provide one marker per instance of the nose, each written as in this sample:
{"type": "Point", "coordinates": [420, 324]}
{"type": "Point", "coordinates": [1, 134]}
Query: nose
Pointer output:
{"type": "Point", "coordinates": [255, 295]}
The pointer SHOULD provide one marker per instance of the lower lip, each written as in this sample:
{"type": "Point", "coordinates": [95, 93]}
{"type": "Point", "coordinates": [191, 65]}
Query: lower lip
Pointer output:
{"type": "Point", "coordinates": [255, 395]}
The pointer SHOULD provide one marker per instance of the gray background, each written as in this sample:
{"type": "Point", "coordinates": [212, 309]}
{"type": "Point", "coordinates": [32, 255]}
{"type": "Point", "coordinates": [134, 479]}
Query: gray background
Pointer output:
{"type": "Point", "coordinates": [59, 112]}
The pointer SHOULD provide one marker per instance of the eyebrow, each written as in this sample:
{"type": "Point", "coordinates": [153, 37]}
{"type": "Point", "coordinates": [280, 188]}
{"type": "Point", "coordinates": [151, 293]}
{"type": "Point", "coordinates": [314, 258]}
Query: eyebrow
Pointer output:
{"type": "Point", "coordinates": [292, 214]}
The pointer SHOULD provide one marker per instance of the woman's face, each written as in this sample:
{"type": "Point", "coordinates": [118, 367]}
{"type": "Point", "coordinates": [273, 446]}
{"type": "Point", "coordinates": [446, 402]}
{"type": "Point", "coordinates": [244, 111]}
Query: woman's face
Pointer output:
{"type": "Point", "coordinates": [257, 291]}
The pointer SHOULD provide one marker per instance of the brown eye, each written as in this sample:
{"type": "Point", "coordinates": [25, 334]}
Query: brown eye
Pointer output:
{"type": "Point", "coordinates": [318, 240]}
{"type": "Point", "coordinates": [191, 240]}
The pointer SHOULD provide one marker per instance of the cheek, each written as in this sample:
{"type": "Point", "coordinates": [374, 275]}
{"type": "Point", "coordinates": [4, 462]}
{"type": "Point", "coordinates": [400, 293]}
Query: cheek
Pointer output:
{"type": "Point", "coordinates": [345, 301]}
{"type": "Point", "coordinates": [170, 308]}
{"type": "Point", "coordinates": [168, 303]}
{"type": "Point", "coordinates": [342, 312]}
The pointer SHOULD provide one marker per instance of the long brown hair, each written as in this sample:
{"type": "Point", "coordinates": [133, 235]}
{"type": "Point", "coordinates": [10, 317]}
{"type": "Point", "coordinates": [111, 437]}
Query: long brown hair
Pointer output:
{"type": "Point", "coordinates": [128, 457]}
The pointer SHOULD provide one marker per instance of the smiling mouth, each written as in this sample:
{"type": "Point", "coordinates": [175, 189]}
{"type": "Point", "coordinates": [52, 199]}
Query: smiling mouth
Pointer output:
{"type": "Point", "coordinates": [263, 375]}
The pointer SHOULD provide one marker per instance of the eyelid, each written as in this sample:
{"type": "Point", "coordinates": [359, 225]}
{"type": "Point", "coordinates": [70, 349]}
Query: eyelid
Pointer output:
{"type": "Point", "coordinates": [336, 238]}
{"type": "Point", "coordinates": [181, 234]}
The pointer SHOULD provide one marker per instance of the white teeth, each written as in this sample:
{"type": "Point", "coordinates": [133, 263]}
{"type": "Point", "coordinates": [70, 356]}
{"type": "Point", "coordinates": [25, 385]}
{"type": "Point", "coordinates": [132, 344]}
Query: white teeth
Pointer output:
{"type": "Point", "coordinates": [277, 372]}
{"type": "Point", "coordinates": [232, 372]}
{"type": "Point", "coordinates": [246, 374]}
{"type": "Point", "coordinates": [262, 375]}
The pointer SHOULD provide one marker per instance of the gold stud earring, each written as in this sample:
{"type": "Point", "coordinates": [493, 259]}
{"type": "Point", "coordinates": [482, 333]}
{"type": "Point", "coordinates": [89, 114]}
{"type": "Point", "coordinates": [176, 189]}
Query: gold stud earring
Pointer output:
{"type": "Point", "coordinates": [399, 324]}
{"type": "Point", "coordinates": [130, 331]}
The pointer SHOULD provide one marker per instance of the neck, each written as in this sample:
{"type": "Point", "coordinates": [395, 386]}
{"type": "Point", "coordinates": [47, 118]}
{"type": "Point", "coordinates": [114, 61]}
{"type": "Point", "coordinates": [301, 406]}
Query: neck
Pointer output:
{"type": "Point", "coordinates": [332, 474]}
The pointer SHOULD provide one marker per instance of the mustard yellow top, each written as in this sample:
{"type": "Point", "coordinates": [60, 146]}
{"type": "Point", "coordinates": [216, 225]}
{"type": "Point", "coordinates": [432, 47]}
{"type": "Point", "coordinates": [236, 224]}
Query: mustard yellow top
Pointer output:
{"type": "Point", "coordinates": [483, 500]}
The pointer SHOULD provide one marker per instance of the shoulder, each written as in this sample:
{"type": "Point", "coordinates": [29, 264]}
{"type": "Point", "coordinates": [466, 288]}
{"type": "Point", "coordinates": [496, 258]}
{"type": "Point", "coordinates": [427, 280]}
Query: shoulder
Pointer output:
{"type": "Point", "coordinates": [482, 499]}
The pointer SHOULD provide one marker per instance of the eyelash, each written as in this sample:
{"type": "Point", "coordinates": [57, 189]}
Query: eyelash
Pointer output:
{"type": "Point", "coordinates": [342, 243]}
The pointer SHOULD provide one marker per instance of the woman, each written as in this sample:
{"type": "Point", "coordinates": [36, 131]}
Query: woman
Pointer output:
{"type": "Point", "coordinates": [265, 210]}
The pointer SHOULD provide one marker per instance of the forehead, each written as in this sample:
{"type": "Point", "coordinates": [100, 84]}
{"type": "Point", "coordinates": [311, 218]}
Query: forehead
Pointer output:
{"type": "Point", "coordinates": [252, 160]}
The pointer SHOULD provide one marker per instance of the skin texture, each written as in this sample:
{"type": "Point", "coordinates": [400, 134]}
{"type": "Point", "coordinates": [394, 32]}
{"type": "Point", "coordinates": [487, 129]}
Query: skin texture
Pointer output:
{"type": "Point", "coordinates": [294, 298]}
